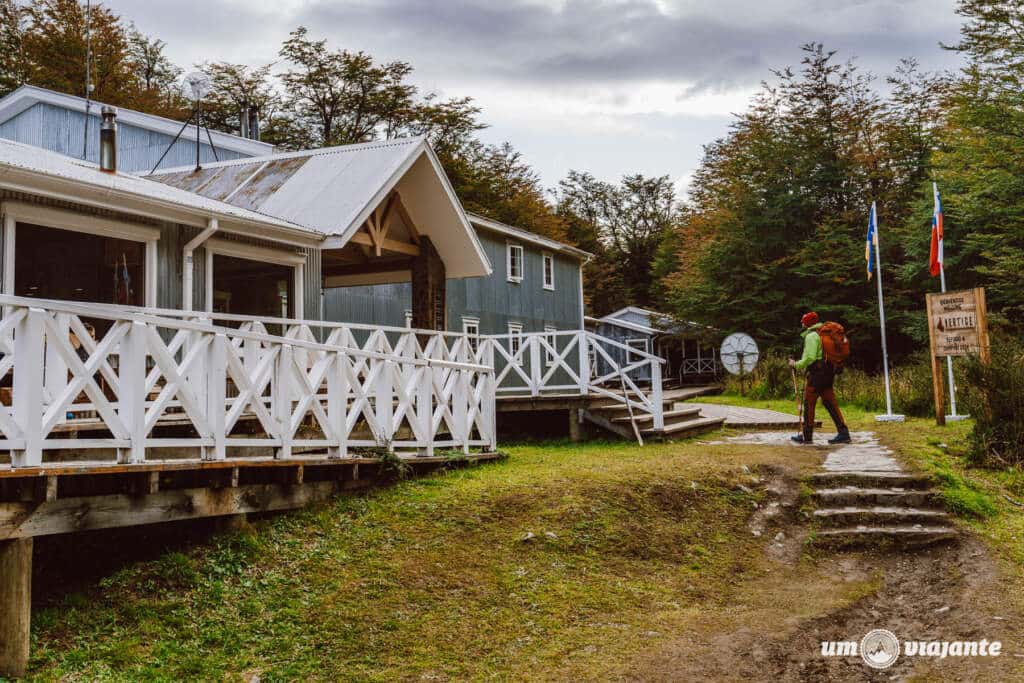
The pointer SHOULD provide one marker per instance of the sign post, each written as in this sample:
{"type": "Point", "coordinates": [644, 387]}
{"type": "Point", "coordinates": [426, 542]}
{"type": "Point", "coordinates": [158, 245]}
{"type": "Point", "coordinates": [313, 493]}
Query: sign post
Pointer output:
{"type": "Point", "coordinates": [957, 326]}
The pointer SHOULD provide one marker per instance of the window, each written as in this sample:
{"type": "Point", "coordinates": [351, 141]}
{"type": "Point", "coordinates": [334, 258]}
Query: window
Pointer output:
{"type": "Point", "coordinates": [471, 328]}
{"type": "Point", "coordinates": [515, 341]}
{"type": "Point", "coordinates": [549, 271]}
{"type": "Point", "coordinates": [640, 344]}
{"type": "Point", "coordinates": [408, 318]}
{"type": "Point", "coordinates": [552, 339]}
{"type": "Point", "coordinates": [514, 258]}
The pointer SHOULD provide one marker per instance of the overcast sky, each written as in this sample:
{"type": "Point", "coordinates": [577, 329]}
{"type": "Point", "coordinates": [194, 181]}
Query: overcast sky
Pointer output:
{"type": "Point", "coordinates": [608, 86]}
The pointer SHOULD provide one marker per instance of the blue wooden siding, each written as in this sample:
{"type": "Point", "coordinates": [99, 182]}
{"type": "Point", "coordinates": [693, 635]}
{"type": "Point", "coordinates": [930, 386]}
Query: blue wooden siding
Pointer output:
{"type": "Point", "coordinates": [622, 335]}
{"type": "Point", "coordinates": [61, 130]}
{"type": "Point", "coordinates": [493, 300]}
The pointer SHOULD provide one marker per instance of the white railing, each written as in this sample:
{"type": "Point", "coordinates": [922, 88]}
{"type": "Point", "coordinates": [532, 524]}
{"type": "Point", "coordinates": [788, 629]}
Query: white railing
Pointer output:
{"type": "Point", "coordinates": [576, 362]}
{"type": "Point", "coordinates": [297, 393]}
{"type": "Point", "coordinates": [700, 366]}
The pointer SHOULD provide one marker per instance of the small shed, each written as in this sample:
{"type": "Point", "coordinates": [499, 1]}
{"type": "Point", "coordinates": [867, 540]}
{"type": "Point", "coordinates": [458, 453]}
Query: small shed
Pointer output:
{"type": "Point", "coordinates": [688, 348]}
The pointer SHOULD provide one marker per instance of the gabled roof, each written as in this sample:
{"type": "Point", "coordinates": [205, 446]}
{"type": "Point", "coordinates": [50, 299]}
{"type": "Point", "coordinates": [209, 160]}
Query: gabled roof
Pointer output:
{"type": "Point", "coordinates": [29, 95]}
{"type": "Point", "coordinates": [30, 169]}
{"type": "Point", "coordinates": [526, 236]}
{"type": "Point", "coordinates": [334, 190]}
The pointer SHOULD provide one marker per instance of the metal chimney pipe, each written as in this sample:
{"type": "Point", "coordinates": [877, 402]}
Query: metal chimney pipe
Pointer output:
{"type": "Point", "coordinates": [254, 122]}
{"type": "Point", "coordinates": [243, 116]}
{"type": "Point", "coordinates": [108, 140]}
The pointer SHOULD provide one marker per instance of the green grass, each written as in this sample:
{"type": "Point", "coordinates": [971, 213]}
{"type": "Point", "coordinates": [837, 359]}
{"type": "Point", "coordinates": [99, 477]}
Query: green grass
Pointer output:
{"type": "Point", "coordinates": [432, 578]}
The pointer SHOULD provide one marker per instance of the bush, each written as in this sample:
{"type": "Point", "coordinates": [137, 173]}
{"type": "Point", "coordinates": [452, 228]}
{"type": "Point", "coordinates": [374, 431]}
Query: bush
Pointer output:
{"type": "Point", "coordinates": [772, 378]}
{"type": "Point", "coordinates": [994, 396]}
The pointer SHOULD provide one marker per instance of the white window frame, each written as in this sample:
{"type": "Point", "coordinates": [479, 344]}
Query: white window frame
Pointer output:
{"type": "Point", "coordinates": [251, 252]}
{"type": "Point", "coordinates": [511, 247]}
{"type": "Point", "coordinates": [61, 219]}
{"type": "Point", "coordinates": [515, 341]}
{"type": "Point", "coordinates": [551, 338]}
{"type": "Point", "coordinates": [548, 258]}
{"type": "Point", "coordinates": [471, 328]}
{"type": "Point", "coordinates": [631, 342]}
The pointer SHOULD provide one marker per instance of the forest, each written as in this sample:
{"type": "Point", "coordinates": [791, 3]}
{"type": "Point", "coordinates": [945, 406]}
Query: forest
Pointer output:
{"type": "Point", "coordinates": [773, 222]}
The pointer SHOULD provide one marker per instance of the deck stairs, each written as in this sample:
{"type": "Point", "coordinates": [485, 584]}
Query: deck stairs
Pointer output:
{"type": "Point", "coordinates": [682, 420]}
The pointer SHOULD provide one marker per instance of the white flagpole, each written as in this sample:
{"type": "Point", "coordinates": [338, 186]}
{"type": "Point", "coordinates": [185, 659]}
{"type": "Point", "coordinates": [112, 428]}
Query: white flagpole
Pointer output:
{"type": "Point", "coordinates": [942, 282]}
{"type": "Point", "coordinates": [889, 416]}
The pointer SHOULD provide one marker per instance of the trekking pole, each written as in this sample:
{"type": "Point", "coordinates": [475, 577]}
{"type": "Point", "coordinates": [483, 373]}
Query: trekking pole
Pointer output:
{"type": "Point", "coordinates": [796, 395]}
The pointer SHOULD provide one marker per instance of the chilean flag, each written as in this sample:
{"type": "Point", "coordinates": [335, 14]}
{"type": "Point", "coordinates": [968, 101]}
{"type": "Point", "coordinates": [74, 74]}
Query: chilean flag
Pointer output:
{"type": "Point", "coordinates": [935, 257]}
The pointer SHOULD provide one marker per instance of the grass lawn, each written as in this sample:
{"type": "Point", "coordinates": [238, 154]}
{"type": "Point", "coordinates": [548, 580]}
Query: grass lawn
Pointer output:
{"type": "Point", "coordinates": [431, 578]}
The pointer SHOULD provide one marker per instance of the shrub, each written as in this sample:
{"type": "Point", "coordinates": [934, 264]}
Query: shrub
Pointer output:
{"type": "Point", "coordinates": [772, 378]}
{"type": "Point", "coordinates": [994, 396]}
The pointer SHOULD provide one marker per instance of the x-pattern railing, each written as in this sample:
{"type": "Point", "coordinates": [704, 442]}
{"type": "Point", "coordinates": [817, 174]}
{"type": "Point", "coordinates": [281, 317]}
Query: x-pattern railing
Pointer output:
{"type": "Point", "coordinates": [321, 392]}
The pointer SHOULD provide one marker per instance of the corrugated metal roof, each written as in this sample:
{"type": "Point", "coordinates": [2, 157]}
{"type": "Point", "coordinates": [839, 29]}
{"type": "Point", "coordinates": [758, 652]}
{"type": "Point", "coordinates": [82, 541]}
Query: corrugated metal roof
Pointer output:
{"type": "Point", "coordinates": [28, 95]}
{"type": "Point", "coordinates": [327, 189]}
{"type": "Point", "coordinates": [527, 236]}
{"type": "Point", "coordinates": [45, 163]}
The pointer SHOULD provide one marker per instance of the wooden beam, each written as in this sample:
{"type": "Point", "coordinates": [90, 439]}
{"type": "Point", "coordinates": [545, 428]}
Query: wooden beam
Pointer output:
{"type": "Point", "coordinates": [414, 232]}
{"type": "Point", "coordinates": [386, 244]}
{"type": "Point", "coordinates": [15, 605]}
{"type": "Point", "coordinates": [65, 515]}
{"type": "Point", "coordinates": [368, 268]}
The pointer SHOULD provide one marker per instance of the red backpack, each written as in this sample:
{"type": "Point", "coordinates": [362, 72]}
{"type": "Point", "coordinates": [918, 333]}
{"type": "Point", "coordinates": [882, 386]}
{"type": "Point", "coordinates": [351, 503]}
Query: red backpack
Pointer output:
{"type": "Point", "coordinates": [835, 345]}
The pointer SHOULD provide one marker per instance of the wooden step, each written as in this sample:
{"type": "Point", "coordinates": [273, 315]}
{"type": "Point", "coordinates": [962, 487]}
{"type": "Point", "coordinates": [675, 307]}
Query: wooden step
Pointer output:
{"type": "Point", "coordinates": [903, 534]}
{"type": "Point", "coordinates": [686, 427]}
{"type": "Point", "coordinates": [870, 479]}
{"type": "Point", "coordinates": [878, 515]}
{"type": "Point", "coordinates": [889, 497]}
{"type": "Point", "coordinates": [672, 415]}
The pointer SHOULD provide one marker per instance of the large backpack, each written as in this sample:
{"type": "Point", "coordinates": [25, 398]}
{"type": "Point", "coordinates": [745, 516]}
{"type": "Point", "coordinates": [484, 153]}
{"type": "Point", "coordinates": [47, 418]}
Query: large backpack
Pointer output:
{"type": "Point", "coordinates": [835, 345]}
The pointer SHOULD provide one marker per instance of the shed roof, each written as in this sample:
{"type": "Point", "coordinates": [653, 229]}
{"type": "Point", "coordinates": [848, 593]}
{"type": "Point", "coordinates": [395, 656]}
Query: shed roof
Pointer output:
{"type": "Point", "coordinates": [27, 96]}
{"type": "Point", "coordinates": [34, 170]}
{"type": "Point", "coordinates": [334, 190]}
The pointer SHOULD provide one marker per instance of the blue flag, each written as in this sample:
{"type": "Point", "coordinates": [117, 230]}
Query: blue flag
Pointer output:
{"type": "Point", "coordinates": [872, 242]}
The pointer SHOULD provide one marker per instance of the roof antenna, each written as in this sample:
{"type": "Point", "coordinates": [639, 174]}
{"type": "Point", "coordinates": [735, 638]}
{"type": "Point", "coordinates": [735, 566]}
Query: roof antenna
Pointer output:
{"type": "Point", "coordinates": [195, 86]}
{"type": "Point", "coordinates": [88, 76]}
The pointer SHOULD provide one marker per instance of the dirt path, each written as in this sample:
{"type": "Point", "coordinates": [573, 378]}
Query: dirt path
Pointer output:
{"type": "Point", "coordinates": [775, 628]}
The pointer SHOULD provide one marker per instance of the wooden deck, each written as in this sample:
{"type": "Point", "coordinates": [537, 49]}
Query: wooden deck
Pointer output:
{"type": "Point", "coordinates": [751, 418]}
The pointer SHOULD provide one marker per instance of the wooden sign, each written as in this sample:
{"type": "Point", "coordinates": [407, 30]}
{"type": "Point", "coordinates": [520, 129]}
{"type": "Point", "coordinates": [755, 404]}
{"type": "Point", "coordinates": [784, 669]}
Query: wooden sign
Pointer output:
{"type": "Point", "coordinates": [957, 326]}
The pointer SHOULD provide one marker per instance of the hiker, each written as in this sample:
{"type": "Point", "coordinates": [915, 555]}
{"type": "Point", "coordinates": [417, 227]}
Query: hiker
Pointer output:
{"type": "Point", "coordinates": [821, 373]}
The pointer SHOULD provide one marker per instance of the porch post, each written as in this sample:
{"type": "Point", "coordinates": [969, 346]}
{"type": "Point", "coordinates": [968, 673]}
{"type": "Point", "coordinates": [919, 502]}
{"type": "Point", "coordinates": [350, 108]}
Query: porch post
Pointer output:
{"type": "Point", "coordinates": [428, 288]}
{"type": "Point", "coordinates": [15, 605]}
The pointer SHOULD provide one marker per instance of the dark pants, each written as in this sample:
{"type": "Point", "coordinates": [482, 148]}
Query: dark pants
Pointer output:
{"type": "Point", "coordinates": [819, 384]}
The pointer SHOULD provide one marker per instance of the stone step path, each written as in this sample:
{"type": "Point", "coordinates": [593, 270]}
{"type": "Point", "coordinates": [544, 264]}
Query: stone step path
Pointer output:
{"type": "Point", "coordinates": [864, 498]}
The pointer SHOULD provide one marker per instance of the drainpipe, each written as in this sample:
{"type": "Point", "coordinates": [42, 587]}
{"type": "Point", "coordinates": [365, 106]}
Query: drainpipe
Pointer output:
{"type": "Point", "coordinates": [187, 267]}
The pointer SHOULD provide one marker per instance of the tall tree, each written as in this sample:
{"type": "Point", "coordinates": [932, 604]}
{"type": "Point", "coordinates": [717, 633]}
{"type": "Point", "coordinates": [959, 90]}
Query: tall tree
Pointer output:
{"type": "Point", "coordinates": [55, 49]}
{"type": "Point", "coordinates": [156, 76]}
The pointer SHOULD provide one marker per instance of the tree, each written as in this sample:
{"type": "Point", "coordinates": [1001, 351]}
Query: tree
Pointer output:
{"type": "Point", "coordinates": [237, 87]}
{"type": "Point", "coordinates": [13, 65]}
{"type": "Point", "coordinates": [626, 224]}
{"type": "Point", "coordinates": [980, 161]}
{"type": "Point", "coordinates": [55, 50]}
{"type": "Point", "coordinates": [344, 97]}
{"type": "Point", "coordinates": [156, 77]}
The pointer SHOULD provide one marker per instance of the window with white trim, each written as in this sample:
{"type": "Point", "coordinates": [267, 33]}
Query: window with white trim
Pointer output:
{"type": "Point", "coordinates": [471, 328]}
{"type": "Point", "coordinates": [515, 341]}
{"type": "Point", "coordinates": [514, 262]}
{"type": "Point", "coordinates": [552, 339]}
{"type": "Point", "coordinates": [549, 270]}
{"type": "Point", "coordinates": [640, 344]}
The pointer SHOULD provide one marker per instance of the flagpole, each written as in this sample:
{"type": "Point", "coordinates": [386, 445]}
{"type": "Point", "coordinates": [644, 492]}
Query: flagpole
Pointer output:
{"type": "Point", "coordinates": [942, 284]}
{"type": "Point", "coordinates": [889, 416]}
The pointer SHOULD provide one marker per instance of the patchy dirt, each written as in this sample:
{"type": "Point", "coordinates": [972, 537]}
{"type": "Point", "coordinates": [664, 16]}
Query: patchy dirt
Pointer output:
{"type": "Point", "coordinates": [775, 629]}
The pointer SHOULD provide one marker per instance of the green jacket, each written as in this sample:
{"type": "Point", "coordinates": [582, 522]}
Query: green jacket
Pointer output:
{"type": "Point", "coordinates": [812, 347]}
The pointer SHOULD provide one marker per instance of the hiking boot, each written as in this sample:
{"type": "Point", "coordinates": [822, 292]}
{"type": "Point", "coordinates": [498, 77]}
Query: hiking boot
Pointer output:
{"type": "Point", "coordinates": [799, 438]}
{"type": "Point", "coordinates": [842, 437]}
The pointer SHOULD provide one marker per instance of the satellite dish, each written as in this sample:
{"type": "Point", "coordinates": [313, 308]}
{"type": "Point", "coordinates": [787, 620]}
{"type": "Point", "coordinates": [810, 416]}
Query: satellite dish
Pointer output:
{"type": "Point", "coordinates": [739, 353]}
{"type": "Point", "coordinates": [196, 86]}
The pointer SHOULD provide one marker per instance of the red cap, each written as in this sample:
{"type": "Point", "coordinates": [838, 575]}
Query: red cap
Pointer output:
{"type": "Point", "coordinates": [809, 319]}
